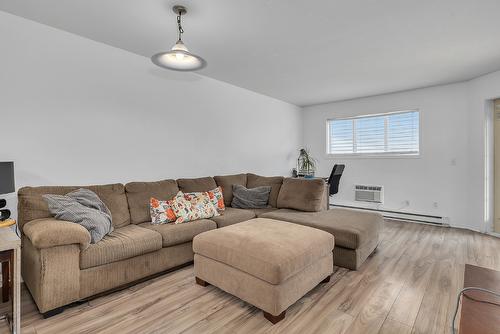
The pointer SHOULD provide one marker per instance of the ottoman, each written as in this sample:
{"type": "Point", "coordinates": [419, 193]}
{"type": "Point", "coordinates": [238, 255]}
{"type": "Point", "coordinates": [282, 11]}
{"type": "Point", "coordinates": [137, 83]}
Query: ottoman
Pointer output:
{"type": "Point", "coordinates": [268, 263]}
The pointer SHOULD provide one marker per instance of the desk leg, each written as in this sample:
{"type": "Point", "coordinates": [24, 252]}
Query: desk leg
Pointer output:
{"type": "Point", "coordinates": [5, 281]}
{"type": "Point", "coordinates": [16, 291]}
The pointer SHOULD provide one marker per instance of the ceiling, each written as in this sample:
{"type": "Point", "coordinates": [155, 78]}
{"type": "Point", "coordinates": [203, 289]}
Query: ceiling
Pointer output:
{"type": "Point", "coordinates": [303, 52]}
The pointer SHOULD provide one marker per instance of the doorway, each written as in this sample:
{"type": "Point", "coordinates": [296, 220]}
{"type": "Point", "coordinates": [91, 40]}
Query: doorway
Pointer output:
{"type": "Point", "coordinates": [496, 167]}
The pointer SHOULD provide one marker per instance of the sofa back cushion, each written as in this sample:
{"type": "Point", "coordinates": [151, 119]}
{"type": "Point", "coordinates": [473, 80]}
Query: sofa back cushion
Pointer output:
{"type": "Point", "coordinates": [275, 182]}
{"type": "Point", "coordinates": [140, 193]}
{"type": "Point", "coordinates": [226, 182]}
{"type": "Point", "coordinates": [197, 185]}
{"type": "Point", "coordinates": [302, 194]}
{"type": "Point", "coordinates": [32, 206]}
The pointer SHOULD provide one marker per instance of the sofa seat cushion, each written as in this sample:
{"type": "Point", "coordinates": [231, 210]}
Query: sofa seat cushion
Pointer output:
{"type": "Point", "coordinates": [121, 244]}
{"type": "Point", "coordinates": [260, 212]}
{"type": "Point", "coordinates": [232, 216]}
{"type": "Point", "coordinates": [175, 234]}
{"type": "Point", "coordinates": [268, 249]}
{"type": "Point", "coordinates": [352, 228]}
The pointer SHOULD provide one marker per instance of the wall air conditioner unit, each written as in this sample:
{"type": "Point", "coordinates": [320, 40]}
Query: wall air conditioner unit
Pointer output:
{"type": "Point", "coordinates": [373, 194]}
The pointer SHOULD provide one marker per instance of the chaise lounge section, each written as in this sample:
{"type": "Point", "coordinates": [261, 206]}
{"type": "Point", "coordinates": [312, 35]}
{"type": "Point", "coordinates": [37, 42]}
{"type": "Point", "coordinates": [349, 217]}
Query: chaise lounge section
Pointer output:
{"type": "Point", "coordinates": [60, 266]}
{"type": "Point", "coordinates": [356, 232]}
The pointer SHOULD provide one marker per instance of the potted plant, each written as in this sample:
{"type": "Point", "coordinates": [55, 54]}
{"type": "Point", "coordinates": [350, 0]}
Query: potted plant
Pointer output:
{"type": "Point", "coordinates": [306, 165]}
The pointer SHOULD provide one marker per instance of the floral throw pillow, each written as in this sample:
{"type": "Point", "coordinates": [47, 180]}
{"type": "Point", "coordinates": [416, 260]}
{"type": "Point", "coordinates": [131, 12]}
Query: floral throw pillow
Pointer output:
{"type": "Point", "coordinates": [189, 207]}
{"type": "Point", "coordinates": [215, 196]}
{"type": "Point", "coordinates": [161, 211]}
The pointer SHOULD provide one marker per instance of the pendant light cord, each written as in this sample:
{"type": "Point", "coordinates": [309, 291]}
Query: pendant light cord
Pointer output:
{"type": "Point", "coordinates": [179, 26]}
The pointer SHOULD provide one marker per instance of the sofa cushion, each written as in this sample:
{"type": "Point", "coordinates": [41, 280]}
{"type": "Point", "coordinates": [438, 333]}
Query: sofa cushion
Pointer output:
{"type": "Point", "coordinates": [274, 182]}
{"type": "Point", "coordinates": [302, 194]}
{"type": "Point", "coordinates": [139, 194]}
{"type": "Point", "coordinates": [260, 212]}
{"type": "Point", "coordinates": [226, 182]}
{"type": "Point", "coordinates": [352, 228]}
{"type": "Point", "coordinates": [121, 244]}
{"type": "Point", "coordinates": [254, 198]}
{"type": "Point", "coordinates": [232, 216]}
{"type": "Point", "coordinates": [175, 234]}
{"type": "Point", "coordinates": [197, 185]}
{"type": "Point", "coordinates": [267, 249]}
{"type": "Point", "coordinates": [33, 206]}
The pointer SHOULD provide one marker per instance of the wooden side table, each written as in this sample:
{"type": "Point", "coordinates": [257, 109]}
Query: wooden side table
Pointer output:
{"type": "Point", "coordinates": [10, 249]}
{"type": "Point", "coordinates": [480, 311]}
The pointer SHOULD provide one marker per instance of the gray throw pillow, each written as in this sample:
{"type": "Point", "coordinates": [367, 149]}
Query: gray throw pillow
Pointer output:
{"type": "Point", "coordinates": [83, 207]}
{"type": "Point", "coordinates": [254, 198]}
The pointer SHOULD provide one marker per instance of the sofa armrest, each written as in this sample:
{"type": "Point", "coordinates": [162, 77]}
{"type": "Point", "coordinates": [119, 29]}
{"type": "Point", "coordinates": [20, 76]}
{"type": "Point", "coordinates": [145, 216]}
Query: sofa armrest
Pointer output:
{"type": "Point", "coordinates": [50, 232]}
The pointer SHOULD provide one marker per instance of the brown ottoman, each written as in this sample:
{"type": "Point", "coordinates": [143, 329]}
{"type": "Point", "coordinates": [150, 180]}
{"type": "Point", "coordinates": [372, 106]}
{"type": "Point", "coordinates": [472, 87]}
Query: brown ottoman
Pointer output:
{"type": "Point", "coordinates": [268, 263]}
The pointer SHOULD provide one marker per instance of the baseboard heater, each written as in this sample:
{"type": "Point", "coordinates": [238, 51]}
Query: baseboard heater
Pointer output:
{"type": "Point", "coordinates": [398, 215]}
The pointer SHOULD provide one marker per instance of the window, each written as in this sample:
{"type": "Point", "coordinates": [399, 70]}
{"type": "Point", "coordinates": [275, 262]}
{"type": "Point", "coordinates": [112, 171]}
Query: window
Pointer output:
{"type": "Point", "coordinates": [391, 133]}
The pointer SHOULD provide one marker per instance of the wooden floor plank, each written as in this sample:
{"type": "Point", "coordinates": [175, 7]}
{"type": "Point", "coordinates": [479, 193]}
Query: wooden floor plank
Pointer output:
{"type": "Point", "coordinates": [407, 303]}
{"type": "Point", "coordinates": [408, 285]}
{"type": "Point", "coordinates": [394, 327]}
{"type": "Point", "coordinates": [376, 309]}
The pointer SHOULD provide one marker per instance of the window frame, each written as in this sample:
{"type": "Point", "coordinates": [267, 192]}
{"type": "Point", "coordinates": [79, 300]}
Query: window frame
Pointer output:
{"type": "Point", "coordinates": [400, 154]}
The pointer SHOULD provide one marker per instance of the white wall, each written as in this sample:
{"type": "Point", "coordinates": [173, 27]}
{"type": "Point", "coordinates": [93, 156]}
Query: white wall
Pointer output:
{"type": "Point", "coordinates": [452, 168]}
{"type": "Point", "coordinates": [74, 111]}
{"type": "Point", "coordinates": [436, 176]}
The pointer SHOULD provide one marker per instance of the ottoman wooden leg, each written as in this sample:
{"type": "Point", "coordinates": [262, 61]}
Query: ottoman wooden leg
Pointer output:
{"type": "Point", "coordinates": [274, 318]}
{"type": "Point", "coordinates": [201, 282]}
{"type": "Point", "coordinates": [326, 280]}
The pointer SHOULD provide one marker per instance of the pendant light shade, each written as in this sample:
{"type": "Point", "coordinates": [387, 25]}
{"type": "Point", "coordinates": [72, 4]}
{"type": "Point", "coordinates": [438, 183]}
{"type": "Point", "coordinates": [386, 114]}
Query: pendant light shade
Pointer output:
{"type": "Point", "coordinates": [179, 58]}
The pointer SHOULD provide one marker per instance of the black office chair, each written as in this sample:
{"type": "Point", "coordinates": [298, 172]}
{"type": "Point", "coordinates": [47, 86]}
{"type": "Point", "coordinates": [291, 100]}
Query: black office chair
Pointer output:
{"type": "Point", "coordinates": [334, 178]}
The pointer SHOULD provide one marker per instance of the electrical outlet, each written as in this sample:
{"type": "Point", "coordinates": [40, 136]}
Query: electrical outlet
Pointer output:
{"type": "Point", "coordinates": [435, 204]}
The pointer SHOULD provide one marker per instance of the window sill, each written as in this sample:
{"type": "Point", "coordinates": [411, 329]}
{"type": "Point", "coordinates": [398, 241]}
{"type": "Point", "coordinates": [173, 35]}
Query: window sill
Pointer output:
{"type": "Point", "coordinates": [373, 156]}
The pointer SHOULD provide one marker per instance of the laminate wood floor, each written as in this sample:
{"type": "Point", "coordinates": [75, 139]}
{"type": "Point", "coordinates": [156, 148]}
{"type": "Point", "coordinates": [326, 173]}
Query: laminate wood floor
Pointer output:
{"type": "Point", "coordinates": [408, 286]}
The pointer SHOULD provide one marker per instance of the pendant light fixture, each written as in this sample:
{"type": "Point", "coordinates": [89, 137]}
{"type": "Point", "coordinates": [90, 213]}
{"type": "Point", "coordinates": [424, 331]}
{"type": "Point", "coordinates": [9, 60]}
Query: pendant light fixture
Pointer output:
{"type": "Point", "coordinates": [179, 58]}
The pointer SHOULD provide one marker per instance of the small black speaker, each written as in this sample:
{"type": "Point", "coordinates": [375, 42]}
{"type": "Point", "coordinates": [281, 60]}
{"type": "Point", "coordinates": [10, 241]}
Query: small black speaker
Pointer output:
{"type": "Point", "coordinates": [4, 214]}
{"type": "Point", "coordinates": [3, 203]}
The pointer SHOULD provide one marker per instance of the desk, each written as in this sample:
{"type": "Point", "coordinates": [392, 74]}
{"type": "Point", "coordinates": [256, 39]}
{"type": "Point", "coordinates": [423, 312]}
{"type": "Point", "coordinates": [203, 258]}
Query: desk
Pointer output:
{"type": "Point", "coordinates": [10, 247]}
{"type": "Point", "coordinates": [475, 316]}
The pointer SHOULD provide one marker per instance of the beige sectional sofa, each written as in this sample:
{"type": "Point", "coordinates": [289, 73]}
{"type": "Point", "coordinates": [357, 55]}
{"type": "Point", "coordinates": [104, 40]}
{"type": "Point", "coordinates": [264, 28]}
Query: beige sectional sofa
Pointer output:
{"type": "Point", "coordinates": [60, 266]}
